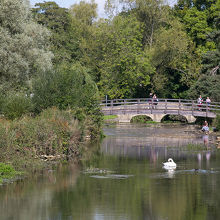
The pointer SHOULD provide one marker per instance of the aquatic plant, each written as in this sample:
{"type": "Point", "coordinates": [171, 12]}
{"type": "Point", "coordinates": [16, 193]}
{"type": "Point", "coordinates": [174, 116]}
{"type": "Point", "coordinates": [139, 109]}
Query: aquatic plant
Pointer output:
{"type": "Point", "coordinates": [6, 172]}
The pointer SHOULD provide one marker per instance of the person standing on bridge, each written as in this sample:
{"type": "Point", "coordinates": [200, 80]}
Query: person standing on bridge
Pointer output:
{"type": "Point", "coordinates": [151, 99]}
{"type": "Point", "coordinates": [208, 101]}
{"type": "Point", "coordinates": [199, 101]}
{"type": "Point", "coordinates": [155, 101]}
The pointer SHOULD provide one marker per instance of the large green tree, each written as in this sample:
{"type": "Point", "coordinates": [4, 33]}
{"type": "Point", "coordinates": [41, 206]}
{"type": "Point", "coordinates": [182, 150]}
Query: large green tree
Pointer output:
{"type": "Point", "coordinates": [176, 67]}
{"type": "Point", "coordinates": [64, 36]}
{"type": "Point", "coordinates": [24, 45]}
{"type": "Point", "coordinates": [199, 17]}
{"type": "Point", "coordinates": [69, 86]}
{"type": "Point", "coordinates": [125, 69]}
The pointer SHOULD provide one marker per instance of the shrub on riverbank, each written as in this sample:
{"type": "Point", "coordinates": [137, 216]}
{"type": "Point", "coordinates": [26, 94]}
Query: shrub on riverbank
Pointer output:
{"type": "Point", "coordinates": [55, 133]}
{"type": "Point", "coordinates": [14, 105]}
{"type": "Point", "coordinates": [217, 123]}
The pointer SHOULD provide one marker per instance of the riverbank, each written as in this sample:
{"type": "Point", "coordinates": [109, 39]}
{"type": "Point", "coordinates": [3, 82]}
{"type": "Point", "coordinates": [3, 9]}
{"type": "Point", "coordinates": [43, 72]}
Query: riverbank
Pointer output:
{"type": "Point", "coordinates": [33, 143]}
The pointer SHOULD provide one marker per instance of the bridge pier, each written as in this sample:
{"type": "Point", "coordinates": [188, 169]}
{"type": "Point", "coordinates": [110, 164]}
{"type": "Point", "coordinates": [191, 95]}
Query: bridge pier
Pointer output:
{"type": "Point", "coordinates": [190, 118]}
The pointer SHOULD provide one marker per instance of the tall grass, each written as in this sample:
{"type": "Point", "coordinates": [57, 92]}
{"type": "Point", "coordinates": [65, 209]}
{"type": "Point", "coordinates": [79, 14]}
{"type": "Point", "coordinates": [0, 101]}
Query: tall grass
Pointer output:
{"type": "Point", "coordinates": [53, 132]}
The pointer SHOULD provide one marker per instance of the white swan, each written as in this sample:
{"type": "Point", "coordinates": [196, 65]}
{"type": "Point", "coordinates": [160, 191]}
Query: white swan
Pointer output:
{"type": "Point", "coordinates": [170, 163]}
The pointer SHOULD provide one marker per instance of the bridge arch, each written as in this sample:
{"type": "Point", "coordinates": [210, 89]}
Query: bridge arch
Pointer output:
{"type": "Point", "coordinates": [141, 118]}
{"type": "Point", "coordinates": [170, 117]}
{"type": "Point", "coordinates": [128, 117]}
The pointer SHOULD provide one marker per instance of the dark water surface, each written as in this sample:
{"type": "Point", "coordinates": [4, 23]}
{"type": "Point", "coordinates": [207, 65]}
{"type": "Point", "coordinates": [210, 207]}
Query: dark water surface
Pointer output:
{"type": "Point", "coordinates": [124, 179]}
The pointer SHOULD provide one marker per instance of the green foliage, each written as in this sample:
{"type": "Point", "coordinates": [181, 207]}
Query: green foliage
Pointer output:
{"type": "Point", "coordinates": [216, 122]}
{"type": "Point", "coordinates": [6, 171]}
{"type": "Point", "coordinates": [175, 64]}
{"type": "Point", "coordinates": [194, 147]}
{"type": "Point", "coordinates": [67, 87]}
{"type": "Point", "coordinates": [199, 19]}
{"type": "Point", "coordinates": [53, 132]}
{"type": "Point", "coordinates": [196, 25]}
{"type": "Point", "coordinates": [24, 45]}
{"type": "Point", "coordinates": [64, 40]}
{"type": "Point", "coordinates": [14, 105]}
{"type": "Point", "coordinates": [70, 87]}
{"type": "Point", "coordinates": [211, 60]}
{"type": "Point", "coordinates": [107, 117]}
{"type": "Point", "coordinates": [206, 86]}
{"type": "Point", "coordinates": [125, 69]}
{"type": "Point", "coordinates": [84, 12]}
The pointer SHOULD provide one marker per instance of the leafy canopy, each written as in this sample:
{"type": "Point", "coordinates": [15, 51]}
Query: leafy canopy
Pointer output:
{"type": "Point", "coordinates": [24, 45]}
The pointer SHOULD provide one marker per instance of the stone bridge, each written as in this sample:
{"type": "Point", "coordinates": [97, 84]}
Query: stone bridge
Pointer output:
{"type": "Point", "coordinates": [126, 109]}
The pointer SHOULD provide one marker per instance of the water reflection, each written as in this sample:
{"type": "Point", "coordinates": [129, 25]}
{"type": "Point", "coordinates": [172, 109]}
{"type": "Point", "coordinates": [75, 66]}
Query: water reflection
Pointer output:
{"type": "Point", "coordinates": [205, 138]}
{"type": "Point", "coordinates": [170, 171]}
{"type": "Point", "coordinates": [129, 181]}
{"type": "Point", "coordinates": [152, 144]}
{"type": "Point", "coordinates": [32, 198]}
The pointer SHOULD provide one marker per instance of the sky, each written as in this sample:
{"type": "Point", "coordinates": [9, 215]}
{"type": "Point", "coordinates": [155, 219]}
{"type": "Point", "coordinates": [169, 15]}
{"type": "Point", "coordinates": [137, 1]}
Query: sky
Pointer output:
{"type": "Point", "coordinates": [68, 3]}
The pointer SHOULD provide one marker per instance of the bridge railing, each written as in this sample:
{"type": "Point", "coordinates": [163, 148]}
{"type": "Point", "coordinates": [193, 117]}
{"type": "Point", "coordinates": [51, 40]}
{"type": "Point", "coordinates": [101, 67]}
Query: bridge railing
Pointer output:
{"type": "Point", "coordinates": [165, 105]}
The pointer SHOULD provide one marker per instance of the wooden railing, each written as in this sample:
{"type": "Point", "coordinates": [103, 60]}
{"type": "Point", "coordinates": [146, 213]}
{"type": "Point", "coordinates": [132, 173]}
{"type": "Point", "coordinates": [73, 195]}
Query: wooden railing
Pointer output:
{"type": "Point", "coordinates": [164, 106]}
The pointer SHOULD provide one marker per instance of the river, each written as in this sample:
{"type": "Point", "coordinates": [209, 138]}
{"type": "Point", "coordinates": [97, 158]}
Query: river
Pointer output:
{"type": "Point", "coordinates": [124, 179]}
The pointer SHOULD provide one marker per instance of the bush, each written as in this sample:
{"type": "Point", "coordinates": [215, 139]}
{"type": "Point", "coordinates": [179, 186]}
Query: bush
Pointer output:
{"type": "Point", "coordinates": [217, 123]}
{"type": "Point", "coordinates": [70, 87]}
{"type": "Point", "coordinates": [15, 105]}
{"type": "Point", "coordinates": [53, 132]}
{"type": "Point", "coordinates": [67, 87]}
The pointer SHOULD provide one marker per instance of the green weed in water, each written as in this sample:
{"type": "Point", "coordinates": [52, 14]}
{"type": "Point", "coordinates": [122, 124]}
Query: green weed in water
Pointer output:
{"type": "Point", "coordinates": [6, 172]}
{"type": "Point", "coordinates": [194, 147]}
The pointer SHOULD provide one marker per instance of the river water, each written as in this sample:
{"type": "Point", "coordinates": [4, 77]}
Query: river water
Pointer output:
{"type": "Point", "coordinates": [124, 179]}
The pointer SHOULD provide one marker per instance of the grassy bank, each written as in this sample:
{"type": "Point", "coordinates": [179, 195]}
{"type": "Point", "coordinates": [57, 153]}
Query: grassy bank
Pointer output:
{"type": "Point", "coordinates": [29, 143]}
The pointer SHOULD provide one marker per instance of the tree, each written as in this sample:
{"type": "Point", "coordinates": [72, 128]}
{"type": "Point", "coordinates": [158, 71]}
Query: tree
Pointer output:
{"type": "Point", "coordinates": [211, 59]}
{"type": "Point", "coordinates": [208, 83]}
{"type": "Point", "coordinates": [207, 86]}
{"type": "Point", "coordinates": [199, 17]}
{"type": "Point", "coordinates": [24, 45]}
{"type": "Point", "coordinates": [69, 86]}
{"type": "Point", "coordinates": [196, 25]}
{"type": "Point", "coordinates": [151, 13]}
{"type": "Point", "coordinates": [84, 12]}
{"type": "Point", "coordinates": [125, 69]}
{"type": "Point", "coordinates": [174, 61]}
{"type": "Point", "coordinates": [83, 17]}
{"type": "Point", "coordinates": [64, 38]}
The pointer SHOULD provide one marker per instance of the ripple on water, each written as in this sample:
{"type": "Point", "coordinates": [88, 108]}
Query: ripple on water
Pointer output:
{"type": "Point", "coordinates": [172, 173]}
{"type": "Point", "coordinates": [112, 176]}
